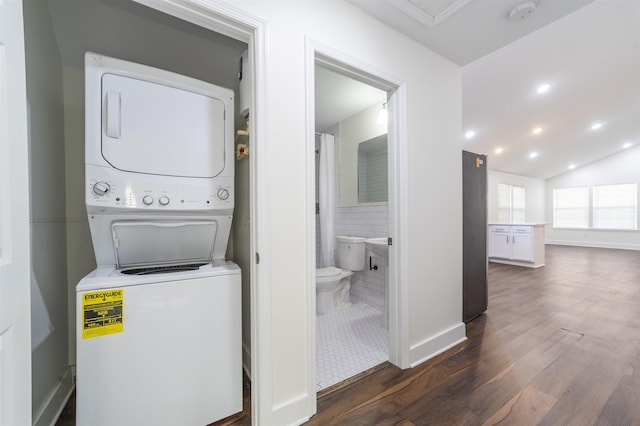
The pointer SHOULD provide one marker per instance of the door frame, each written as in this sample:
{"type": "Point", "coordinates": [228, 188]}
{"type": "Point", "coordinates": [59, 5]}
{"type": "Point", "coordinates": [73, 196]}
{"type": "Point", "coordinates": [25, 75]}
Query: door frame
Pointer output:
{"type": "Point", "coordinates": [230, 21]}
{"type": "Point", "coordinates": [338, 61]}
{"type": "Point", "coordinates": [15, 243]}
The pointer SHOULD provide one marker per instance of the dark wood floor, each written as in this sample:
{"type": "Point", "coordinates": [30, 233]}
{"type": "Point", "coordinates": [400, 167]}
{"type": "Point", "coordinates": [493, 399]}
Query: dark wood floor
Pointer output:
{"type": "Point", "coordinates": [559, 345]}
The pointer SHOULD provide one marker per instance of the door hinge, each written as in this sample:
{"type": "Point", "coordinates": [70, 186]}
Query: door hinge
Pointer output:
{"type": "Point", "coordinates": [389, 241]}
{"type": "Point", "coordinates": [257, 258]}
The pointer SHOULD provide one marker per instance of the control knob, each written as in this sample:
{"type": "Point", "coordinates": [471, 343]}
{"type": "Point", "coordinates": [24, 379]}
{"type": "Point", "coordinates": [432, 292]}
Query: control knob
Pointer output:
{"type": "Point", "coordinates": [101, 188]}
{"type": "Point", "coordinates": [147, 200]}
{"type": "Point", "coordinates": [164, 200]}
{"type": "Point", "coordinates": [223, 193]}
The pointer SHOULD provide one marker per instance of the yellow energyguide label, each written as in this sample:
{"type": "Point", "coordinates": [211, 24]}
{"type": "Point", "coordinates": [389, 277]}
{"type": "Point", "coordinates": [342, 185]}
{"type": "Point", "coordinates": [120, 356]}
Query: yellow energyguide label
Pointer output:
{"type": "Point", "coordinates": [102, 313]}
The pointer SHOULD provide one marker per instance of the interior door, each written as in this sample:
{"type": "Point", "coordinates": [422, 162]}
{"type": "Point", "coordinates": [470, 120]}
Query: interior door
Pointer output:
{"type": "Point", "coordinates": [15, 309]}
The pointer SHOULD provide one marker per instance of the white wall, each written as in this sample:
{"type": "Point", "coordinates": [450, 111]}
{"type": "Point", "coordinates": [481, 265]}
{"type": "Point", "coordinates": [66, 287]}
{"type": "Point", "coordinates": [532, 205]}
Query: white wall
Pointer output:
{"type": "Point", "coordinates": [623, 167]}
{"type": "Point", "coordinates": [433, 273]}
{"type": "Point", "coordinates": [51, 378]}
{"type": "Point", "coordinates": [534, 193]}
{"type": "Point", "coordinates": [434, 266]}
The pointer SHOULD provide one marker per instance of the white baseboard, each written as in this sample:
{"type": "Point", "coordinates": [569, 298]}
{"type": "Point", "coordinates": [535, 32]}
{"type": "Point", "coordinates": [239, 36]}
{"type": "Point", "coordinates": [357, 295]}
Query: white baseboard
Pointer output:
{"type": "Point", "coordinates": [50, 411]}
{"type": "Point", "coordinates": [594, 244]}
{"type": "Point", "coordinates": [437, 344]}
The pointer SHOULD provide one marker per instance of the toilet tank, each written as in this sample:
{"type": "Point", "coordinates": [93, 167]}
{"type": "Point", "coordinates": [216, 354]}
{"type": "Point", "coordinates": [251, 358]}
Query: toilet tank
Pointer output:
{"type": "Point", "coordinates": [350, 252]}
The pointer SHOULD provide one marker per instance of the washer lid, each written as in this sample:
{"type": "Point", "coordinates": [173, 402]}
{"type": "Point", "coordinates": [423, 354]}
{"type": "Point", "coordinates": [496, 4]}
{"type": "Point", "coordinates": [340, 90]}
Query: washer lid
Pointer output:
{"type": "Point", "coordinates": [145, 243]}
{"type": "Point", "coordinates": [330, 271]}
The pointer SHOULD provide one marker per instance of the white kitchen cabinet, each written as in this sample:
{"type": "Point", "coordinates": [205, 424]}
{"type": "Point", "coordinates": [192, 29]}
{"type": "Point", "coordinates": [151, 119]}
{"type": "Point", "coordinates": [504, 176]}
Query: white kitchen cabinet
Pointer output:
{"type": "Point", "coordinates": [500, 242]}
{"type": "Point", "coordinates": [521, 245]}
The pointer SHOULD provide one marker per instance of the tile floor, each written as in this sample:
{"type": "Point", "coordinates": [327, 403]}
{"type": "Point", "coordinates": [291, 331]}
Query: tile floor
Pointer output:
{"type": "Point", "coordinates": [349, 341]}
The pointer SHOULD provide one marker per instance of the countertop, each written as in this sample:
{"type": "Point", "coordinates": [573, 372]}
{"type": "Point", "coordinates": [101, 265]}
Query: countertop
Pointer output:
{"type": "Point", "coordinates": [519, 224]}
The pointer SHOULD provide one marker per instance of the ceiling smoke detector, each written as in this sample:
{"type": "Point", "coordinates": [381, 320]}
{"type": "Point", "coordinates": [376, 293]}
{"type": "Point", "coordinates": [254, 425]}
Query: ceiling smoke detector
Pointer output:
{"type": "Point", "coordinates": [523, 10]}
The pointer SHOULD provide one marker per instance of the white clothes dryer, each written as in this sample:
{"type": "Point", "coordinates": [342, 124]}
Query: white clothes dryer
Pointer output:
{"type": "Point", "coordinates": [159, 320]}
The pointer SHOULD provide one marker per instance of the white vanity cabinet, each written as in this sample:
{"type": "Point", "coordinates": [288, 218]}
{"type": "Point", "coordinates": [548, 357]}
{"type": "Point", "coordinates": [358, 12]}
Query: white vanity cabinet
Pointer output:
{"type": "Point", "coordinates": [513, 244]}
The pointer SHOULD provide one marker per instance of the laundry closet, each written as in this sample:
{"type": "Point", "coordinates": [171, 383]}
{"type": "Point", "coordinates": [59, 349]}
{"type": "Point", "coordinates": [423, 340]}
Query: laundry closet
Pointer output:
{"type": "Point", "coordinates": [57, 35]}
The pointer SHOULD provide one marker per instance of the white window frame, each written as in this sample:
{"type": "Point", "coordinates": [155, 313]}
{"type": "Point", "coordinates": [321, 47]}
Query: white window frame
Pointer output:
{"type": "Point", "coordinates": [601, 201]}
{"type": "Point", "coordinates": [502, 209]}
{"type": "Point", "coordinates": [583, 207]}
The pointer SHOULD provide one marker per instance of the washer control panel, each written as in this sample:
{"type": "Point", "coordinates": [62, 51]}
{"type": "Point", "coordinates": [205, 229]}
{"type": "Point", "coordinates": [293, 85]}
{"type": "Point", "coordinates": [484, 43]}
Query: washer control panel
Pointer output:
{"type": "Point", "coordinates": [109, 189]}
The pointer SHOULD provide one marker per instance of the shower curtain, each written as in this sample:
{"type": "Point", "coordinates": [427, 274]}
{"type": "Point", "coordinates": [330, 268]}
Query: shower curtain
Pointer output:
{"type": "Point", "coordinates": [325, 176]}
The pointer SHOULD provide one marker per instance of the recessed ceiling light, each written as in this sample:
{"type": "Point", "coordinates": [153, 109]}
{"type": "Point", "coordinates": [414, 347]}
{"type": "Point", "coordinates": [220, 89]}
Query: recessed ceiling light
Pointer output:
{"type": "Point", "coordinates": [627, 145]}
{"type": "Point", "coordinates": [572, 166]}
{"type": "Point", "coordinates": [537, 130]}
{"type": "Point", "coordinates": [498, 150]}
{"type": "Point", "coordinates": [543, 88]}
{"type": "Point", "coordinates": [596, 126]}
{"type": "Point", "coordinates": [470, 134]}
{"type": "Point", "coordinates": [533, 155]}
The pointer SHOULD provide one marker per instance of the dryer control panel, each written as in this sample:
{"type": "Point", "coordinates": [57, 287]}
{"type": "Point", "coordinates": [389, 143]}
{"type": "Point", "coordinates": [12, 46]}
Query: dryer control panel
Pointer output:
{"type": "Point", "coordinates": [110, 189]}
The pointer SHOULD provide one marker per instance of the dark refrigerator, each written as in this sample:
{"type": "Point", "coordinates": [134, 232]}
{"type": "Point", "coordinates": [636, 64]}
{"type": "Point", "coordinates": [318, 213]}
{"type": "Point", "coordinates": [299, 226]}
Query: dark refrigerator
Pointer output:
{"type": "Point", "coordinates": [474, 235]}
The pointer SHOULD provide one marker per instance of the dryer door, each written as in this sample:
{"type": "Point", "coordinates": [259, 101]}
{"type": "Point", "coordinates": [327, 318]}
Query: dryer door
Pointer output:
{"type": "Point", "coordinates": [156, 129]}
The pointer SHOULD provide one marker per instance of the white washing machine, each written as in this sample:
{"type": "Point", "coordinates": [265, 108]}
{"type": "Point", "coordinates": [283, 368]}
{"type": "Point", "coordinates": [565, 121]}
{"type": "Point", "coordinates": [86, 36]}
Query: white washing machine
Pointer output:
{"type": "Point", "coordinates": [159, 320]}
{"type": "Point", "coordinates": [159, 349]}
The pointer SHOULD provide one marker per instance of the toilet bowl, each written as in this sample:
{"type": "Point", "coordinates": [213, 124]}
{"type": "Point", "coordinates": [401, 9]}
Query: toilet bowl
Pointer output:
{"type": "Point", "coordinates": [332, 289]}
{"type": "Point", "coordinates": [333, 284]}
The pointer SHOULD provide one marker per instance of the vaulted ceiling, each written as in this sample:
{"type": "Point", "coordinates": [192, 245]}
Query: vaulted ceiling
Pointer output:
{"type": "Point", "coordinates": [588, 52]}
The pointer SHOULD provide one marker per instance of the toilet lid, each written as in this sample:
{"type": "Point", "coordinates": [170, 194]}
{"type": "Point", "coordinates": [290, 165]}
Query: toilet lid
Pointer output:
{"type": "Point", "coordinates": [329, 271]}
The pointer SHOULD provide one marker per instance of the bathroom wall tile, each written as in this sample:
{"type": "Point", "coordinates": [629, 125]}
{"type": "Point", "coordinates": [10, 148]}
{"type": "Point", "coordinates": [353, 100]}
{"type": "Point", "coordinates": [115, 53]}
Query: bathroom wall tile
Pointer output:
{"type": "Point", "coordinates": [364, 221]}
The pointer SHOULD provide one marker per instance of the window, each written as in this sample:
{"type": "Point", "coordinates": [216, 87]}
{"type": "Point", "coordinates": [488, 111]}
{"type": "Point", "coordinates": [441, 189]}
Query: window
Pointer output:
{"type": "Point", "coordinates": [615, 206]}
{"type": "Point", "coordinates": [571, 207]}
{"type": "Point", "coordinates": [510, 203]}
{"type": "Point", "coordinates": [517, 204]}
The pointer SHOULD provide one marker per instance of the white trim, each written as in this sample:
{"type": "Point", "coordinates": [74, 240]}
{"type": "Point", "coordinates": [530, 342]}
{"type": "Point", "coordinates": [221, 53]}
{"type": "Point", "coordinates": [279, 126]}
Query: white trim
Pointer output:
{"type": "Point", "coordinates": [422, 16]}
{"type": "Point", "coordinates": [261, 336]}
{"type": "Point", "coordinates": [516, 263]}
{"type": "Point", "coordinates": [398, 219]}
{"type": "Point", "coordinates": [437, 344]}
{"type": "Point", "coordinates": [292, 408]}
{"type": "Point", "coordinates": [595, 244]}
{"type": "Point", "coordinates": [311, 221]}
{"type": "Point", "coordinates": [226, 19]}
{"type": "Point", "coordinates": [217, 16]}
{"type": "Point", "coordinates": [338, 61]}
{"type": "Point", "coordinates": [50, 410]}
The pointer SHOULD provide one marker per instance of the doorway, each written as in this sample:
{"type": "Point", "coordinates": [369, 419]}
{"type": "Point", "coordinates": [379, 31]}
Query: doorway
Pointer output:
{"type": "Point", "coordinates": [374, 292]}
{"type": "Point", "coordinates": [176, 40]}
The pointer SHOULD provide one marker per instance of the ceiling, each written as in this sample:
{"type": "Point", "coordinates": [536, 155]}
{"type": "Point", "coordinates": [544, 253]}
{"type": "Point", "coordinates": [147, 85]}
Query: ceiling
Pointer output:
{"type": "Point", "coordinates": [587, 51]}
{"type": "Point", "coordinates": [465, 30]}
{"type": "Point", "coordinates": [338, 97]}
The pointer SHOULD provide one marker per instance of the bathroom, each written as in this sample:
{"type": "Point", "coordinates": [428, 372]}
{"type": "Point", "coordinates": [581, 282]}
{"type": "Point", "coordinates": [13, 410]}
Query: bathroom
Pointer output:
{"type": "Point", "coordinates": [351, 200]}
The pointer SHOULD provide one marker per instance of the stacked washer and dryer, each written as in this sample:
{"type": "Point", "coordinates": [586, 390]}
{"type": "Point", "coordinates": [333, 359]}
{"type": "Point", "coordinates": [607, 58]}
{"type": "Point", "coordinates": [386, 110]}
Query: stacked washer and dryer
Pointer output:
{"type": "Point", "coordinates": [159, 320]}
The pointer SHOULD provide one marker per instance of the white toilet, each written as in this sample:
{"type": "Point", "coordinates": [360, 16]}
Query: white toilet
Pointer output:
{"type": "Point", "coordinates": [333, 284]}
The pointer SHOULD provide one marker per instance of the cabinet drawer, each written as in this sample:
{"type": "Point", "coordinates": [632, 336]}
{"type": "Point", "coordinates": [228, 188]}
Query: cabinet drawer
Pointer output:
{"type": "Point", "coordinates": [500, 229]}
{"type": "Point", "coordinates": [521, 230]}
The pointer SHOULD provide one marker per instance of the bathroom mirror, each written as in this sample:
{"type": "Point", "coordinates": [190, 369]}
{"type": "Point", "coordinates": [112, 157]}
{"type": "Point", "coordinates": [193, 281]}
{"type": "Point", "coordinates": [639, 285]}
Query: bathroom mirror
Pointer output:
{"type": "Point", "coordinates": [363, 137]}
{"type": "Point", "coordinates": [372, 170]}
